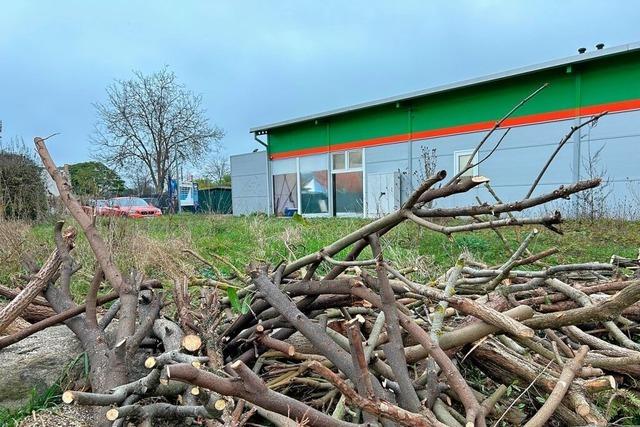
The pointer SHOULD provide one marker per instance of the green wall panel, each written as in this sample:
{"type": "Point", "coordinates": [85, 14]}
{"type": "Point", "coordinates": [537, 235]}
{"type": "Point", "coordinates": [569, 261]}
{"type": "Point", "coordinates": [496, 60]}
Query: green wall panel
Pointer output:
{"type": "Point", "coordinates": [370, 123]}
{"type": "Point", "coordinates": [605, 80]}
{"type": "Point", "coordinates": [491, 101]}
{"type": "Point", "coordinates": [610, 80]}
{"type": "Point", "coordinates": [298, 137]}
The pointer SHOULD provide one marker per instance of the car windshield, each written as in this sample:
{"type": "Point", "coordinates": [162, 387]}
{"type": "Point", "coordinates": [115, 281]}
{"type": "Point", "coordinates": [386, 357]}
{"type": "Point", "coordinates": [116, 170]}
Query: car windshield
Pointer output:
{"type": "Point", "coordinates": [101, 203]}
{"type": "Point", "coordinates": [130, 201]}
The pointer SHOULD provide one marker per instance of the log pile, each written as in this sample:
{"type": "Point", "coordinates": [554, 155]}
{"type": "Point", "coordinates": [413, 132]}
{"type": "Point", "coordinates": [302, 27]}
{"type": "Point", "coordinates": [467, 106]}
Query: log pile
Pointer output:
{"type": "Point", "coordinates": [338, 339]}
{"type": "Point", "coordinates": [381, 347]}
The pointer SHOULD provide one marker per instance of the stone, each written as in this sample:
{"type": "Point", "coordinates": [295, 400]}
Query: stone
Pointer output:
{"type": "Point", "coordinates": [36, 363]}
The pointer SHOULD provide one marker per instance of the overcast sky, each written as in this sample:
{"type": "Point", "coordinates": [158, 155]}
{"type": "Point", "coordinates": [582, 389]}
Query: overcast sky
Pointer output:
{"type": "Point", "coordinates": [257, 62]}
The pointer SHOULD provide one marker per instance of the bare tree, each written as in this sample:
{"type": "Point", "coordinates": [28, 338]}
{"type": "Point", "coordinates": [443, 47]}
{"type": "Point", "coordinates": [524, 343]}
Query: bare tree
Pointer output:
{"type": "Point", "coordinates": [426, 164]}
{"type": "Point", "coordinates": [218, 170]}
{"type": "Point", "coordinates": [152, 122]}
{"type": "Point", "coordinates": [594, 203]}
{"type": "Point", "coordinates": [140, 182]}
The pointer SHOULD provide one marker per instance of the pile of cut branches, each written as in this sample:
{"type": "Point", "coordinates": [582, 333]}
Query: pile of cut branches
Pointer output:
{"type": "Point", "coordinates": [332, 339]}
{"type": "Point", "coordinates": [368, 343]}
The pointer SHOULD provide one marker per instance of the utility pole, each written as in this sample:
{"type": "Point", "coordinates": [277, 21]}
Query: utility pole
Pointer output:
{"type": "Point", "coordinates": [178, 183]}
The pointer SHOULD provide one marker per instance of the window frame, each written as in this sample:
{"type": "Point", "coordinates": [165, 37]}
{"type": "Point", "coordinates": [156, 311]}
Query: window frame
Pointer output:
{"type": "Point", "coordinates": [347, 165]}
{"type": "Point", "coordinates": [329, 160]}
{"type": "Point", "coordinates": [330, 171]}
{"type": "Point", "coordinates": [349, 169]}
{"type": "Point", "coordinates": [456, 162]}
{"type": "Point", "coordinates": [292, 168]}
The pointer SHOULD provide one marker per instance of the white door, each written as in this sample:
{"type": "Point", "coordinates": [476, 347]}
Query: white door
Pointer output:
{"type": "Point", "coordinates": [383, 193]}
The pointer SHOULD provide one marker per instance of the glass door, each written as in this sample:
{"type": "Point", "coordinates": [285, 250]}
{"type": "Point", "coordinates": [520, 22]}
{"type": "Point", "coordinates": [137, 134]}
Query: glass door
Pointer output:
{"type": "Point", "coordinates": [347, 179]}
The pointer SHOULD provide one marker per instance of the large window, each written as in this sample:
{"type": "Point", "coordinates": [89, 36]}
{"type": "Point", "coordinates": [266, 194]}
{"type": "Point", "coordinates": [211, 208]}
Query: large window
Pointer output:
{"type": "Point", "coordinates": [319, 185]}
{"type": "Point", "coordinates": [460, 159]}
{"type": "Point", "coordinates": [348, 194]}
{"type": "Point", "coordinates": [314, 184]}
{"type": "Point", "coordinates": [285, 187]}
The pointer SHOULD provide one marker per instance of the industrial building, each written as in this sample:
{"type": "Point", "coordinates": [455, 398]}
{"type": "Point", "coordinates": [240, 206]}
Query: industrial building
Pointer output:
{"type": "Point", "coordinates": [363, 160]}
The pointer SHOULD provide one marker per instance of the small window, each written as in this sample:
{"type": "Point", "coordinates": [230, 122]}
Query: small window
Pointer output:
{"type": "Point", "coordinates": [339, 161]}
{"type": "Point", "coordinates": [460, 159]}
{"type": "Point", "coordinates": [355, 159]}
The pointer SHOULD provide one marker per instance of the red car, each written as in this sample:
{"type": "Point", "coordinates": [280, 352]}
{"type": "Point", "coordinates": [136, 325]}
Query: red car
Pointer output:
{"type": "Point", "coordinates": [99, 207]}
{"type": "Point", "coordinates": [131, 207]}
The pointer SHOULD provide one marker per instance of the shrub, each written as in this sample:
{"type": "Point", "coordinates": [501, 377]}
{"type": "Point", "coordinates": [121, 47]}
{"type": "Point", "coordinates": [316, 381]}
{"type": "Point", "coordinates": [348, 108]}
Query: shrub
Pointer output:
{"type": "Point", "coordinates": [22, 188]}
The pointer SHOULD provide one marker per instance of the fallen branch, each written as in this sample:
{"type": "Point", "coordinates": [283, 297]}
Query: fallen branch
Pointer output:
{"type": "Point", "coordinates": [561, 388]}
{"type": "Point", "coordinates": [381, 408]}
{"type": "Point", "coordinates": [36, 285]}
{"type": "Point", "coordinates": [253, 390]}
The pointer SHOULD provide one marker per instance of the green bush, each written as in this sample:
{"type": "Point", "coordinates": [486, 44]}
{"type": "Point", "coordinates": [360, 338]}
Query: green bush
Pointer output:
{"type": "Point", "coordinates": [96, 180]}
{"type": "Point", "coordinates": [22, 189]}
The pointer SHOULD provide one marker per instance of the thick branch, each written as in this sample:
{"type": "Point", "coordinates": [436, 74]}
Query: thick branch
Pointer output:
{"type": "Point", "coordinates": [250, 388]}
{"type": "Point", "coordinates": [320, 340]}
{"type": "Point", "coordinates": [547, 221]}
{"type": "Point", "coordinates": [456, 381]}
{"type": "Point", "coordinates": [92, 296]}
{"type": "Point", "coordinates": [96, 242]}
{"type": "Point", "coordinates": [606, 310]}
{"type": "Point", "coordinates": [394, 349]}
{"type": "Point", "coordinates": [35, 286]}
{"type": "Point", "coordinates": [363, 380]}
{"type": "Point", "coordinates": [118, 394]}
{"type": "Point", "coordinates": [561, 388]}
{"type": "Point", "coordinates": [584, 300]}
{"type": "Point", "coordinates": [51, 321]}
{"type": "Point", "coordinates": [384, 409]}
{"type": "Point", "coordinates": [561, 192]}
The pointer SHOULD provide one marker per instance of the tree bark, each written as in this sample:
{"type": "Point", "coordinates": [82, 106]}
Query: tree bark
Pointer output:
{"type": "Point", "coordinates": [559, 391]}
{"type": "Point", "coordinates": [253, 390]}
{"type": "Point", "coordinates": [51, 321]}
{"type": "Point", "coordinates": [383, 409]}
{"type": "Point", "coordinates": [394, 349]}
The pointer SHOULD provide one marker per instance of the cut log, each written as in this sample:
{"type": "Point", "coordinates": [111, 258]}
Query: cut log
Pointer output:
{"type": "Point", "coordinates": [220, 404]}
{"type": "Point", "coordinates": [595, 385]}
{"type": "Point", "coordinates": [191, 342]}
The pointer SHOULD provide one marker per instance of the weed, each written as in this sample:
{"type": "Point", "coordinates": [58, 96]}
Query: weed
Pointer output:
{"type": "Point", "coordinates": [49, 398]}
{"type": "Point", "coordinates": [621, 407]}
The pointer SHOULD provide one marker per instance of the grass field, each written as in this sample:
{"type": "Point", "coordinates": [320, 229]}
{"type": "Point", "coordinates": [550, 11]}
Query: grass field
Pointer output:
{"type": "Point", "coordinates": [155, 246]}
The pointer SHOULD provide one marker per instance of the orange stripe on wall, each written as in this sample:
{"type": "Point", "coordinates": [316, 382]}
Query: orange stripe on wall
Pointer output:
{"type": "Point", "coordinates": [468, 128]}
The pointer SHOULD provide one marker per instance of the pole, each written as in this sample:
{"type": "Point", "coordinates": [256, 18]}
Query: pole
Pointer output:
{"type": "Point", "coordinates": [178, 179]}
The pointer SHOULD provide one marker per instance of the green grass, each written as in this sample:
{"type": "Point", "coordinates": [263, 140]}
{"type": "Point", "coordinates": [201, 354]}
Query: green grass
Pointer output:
{"type": "Point", "coordinates": [244, 238]}
{"type": "Point", "coordinates": [154, 246]}
{"type": "Point", "coordinates": [51, 397]}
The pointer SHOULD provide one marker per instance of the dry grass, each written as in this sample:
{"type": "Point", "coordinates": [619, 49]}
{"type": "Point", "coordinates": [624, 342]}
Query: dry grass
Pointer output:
{"type": "Point", "coordinates": [16, 240]}
{"type": "Point", "coordinates": [132, 248]}
{"type": "Point", "coordinates": [61, 416]}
